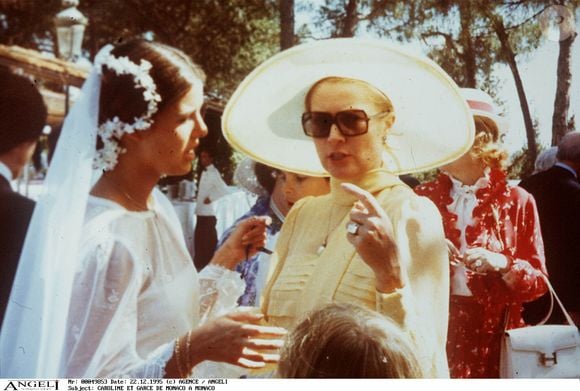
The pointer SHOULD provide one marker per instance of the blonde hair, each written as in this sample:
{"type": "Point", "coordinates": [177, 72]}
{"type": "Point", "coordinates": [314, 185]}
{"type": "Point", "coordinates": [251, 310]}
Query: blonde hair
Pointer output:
{"type": "Point", "coordinates": [486, 146]}
{"type": "Point", "coordinates": [348, 341]}
{"type": "Point", "coordinates": [378, 97]}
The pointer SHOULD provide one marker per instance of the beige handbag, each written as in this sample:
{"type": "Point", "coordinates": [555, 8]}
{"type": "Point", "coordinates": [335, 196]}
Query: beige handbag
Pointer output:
{"type": "Point", "coordinates": [542, 351]}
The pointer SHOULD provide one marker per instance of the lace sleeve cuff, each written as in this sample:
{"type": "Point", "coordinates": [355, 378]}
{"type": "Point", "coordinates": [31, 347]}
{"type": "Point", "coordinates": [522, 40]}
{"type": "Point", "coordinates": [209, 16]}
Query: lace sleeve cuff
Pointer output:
{"type": "Point", "coordinates": [215, 272]}
{"type": "Point", "coordinates": [220, 289]}
{"type": "Point", "coordinates": [154, 368]}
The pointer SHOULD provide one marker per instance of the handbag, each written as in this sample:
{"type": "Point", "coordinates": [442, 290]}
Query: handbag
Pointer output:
{"type": "Point", "coordinates": [542, 351]}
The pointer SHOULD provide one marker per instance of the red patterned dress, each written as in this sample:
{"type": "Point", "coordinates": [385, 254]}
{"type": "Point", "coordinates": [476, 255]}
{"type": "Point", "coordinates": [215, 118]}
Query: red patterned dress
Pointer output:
{"type": "Point", "coordinates": [504, 220]}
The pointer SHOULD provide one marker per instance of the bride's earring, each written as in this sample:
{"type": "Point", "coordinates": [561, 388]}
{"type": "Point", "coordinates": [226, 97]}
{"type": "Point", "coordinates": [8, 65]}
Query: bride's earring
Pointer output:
{"type": "Point", "coordinates": [385, 141]}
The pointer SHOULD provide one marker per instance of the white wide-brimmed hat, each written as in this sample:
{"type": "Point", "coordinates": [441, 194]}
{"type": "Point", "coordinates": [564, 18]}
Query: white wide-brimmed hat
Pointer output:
{"type": "Point", "coordinates": [433, 123]}
{"type": "Point", "coordinates": [245, 177]}
{"type": "Point", "coordinates": [481, 104]}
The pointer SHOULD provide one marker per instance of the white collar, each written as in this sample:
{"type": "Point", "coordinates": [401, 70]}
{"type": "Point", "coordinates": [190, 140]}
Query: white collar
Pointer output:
{"type": "Point", "coordinates": [567, 167]}
{"type": "Point", "coordinates": [276, 210]}
{"type": "Point", "coordinates": [5, 172]}
{"type": "Point", "coordinates": [461, 188]}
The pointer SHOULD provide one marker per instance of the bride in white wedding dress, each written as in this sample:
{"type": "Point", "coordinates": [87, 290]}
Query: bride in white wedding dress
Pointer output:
{"type": "Point", "coordinates": [105, 285]}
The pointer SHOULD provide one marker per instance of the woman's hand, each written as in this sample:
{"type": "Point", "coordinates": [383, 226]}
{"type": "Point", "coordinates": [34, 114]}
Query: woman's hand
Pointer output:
{"type": "Point", "coordinates": [248, 236]}
{"type": "Point", "coordinates": [237, 339]}
{"type": "Point", "coordinates": [481, 260]}
{"type": "Point", "coordinates": [371, 233]}
{"type": "Point", "coordinates": [455, 257]}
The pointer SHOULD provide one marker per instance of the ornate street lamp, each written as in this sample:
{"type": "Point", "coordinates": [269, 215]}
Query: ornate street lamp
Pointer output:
{"type": "Point", "coordinates": [70, 26]}
{"type": "Point", "coordinates": [70, 29]}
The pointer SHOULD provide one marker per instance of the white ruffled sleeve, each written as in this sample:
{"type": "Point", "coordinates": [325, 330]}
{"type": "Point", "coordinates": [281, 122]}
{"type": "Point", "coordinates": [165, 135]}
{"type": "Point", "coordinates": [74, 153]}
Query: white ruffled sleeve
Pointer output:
{"type": "Point", "coordinates": [101, 339]}
{"type": "Point", "coordinates": [220, 289]}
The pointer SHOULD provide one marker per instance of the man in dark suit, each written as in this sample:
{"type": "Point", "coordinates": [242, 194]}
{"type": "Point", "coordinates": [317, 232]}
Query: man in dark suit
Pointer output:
{"type": "Point", "coordinates": [557, 194]}
{"type": "Point", "coordinates": [22, 118]}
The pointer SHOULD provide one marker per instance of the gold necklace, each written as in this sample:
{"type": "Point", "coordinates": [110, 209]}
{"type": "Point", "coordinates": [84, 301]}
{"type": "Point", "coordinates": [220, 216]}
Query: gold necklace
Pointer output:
{"type": "Point", "coordinates": [128, 197]}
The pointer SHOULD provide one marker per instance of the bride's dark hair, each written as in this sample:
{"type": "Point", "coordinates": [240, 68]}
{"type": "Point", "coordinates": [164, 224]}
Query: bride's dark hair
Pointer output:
{"type": "Point", "coordinates": [173, 72]}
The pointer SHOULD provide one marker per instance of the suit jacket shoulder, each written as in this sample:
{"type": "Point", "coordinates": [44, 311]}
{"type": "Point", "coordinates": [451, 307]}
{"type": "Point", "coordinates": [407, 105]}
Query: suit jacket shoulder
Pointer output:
{"type": "Point", "coordinates": [555, 176]}
{"type": "Point", "coordinates": [13, 206]}
{"type": "Point", "coordinates": [15, 214]}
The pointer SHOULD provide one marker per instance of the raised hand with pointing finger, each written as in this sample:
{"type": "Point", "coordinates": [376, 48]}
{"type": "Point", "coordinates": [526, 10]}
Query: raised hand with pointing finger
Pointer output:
{"type": "Point", "coordinates": [370, 231]}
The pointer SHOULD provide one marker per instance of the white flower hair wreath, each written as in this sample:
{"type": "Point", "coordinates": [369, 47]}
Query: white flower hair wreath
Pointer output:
{"type": "Point", "coordinates": [112, 130]}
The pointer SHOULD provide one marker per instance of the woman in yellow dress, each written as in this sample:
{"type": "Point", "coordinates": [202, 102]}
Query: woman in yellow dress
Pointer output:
{"type": "Point", "coordinates": [371, 241]}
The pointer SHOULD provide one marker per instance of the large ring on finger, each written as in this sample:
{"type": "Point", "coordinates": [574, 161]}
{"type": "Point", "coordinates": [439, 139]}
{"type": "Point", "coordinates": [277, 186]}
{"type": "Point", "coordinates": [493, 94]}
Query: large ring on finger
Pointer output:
{"type": "Point", "coordinates": [478, 263]}
{"type": "Point", "coordinates": [352, 228]}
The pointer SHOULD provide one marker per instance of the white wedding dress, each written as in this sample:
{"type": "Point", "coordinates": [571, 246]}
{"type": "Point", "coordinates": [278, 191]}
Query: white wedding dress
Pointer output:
{"type": "Point", "coordinates": [136, 291]}
{"type": "Point", "coordinates": [101, 291]}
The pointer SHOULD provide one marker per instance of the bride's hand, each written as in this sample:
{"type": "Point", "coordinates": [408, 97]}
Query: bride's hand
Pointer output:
{"type": "Point", "coordinates": [237, 339]}
{"type": "Point", "coordinates": [248, 236]}
{"type": "Point", "coordinates": [370, 231]}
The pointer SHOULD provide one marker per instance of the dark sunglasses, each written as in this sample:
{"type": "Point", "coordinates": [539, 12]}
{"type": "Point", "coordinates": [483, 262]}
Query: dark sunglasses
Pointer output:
{"type": "Point", "coordinates": [350, 122]}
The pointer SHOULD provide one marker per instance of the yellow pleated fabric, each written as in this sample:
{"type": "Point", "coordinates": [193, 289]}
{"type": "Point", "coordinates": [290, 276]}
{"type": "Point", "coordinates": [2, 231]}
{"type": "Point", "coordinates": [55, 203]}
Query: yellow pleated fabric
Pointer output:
{"type": "Point", "coordinates": [303, 277]}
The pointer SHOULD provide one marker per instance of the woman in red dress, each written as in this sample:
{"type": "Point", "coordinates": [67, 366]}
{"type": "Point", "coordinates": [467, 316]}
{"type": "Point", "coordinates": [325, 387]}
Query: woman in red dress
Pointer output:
{"type": "Point", "coordinates": [496, 248]}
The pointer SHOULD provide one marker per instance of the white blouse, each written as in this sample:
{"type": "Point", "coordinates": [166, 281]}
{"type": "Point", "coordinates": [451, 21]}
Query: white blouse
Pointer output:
{"type": "Point", "coordinates": [212, 186]}
{"type": "Point", "coordinates": [464, 202]}
{"type": "Point", "coordinates": [136, 292]}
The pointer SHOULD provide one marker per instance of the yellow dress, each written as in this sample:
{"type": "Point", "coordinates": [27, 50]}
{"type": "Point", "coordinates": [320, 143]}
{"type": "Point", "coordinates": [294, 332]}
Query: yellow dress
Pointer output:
{"type": "Point", "coordinates": [303, 277]}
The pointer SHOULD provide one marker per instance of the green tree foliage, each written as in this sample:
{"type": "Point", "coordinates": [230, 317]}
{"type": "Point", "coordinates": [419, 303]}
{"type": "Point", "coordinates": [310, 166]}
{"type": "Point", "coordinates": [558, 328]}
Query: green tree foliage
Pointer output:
{"type": "Point", "coordinates": [227, 38]}
{"type": "Point", "coordinates": [347, 18]}
{"type": "Point", "coordinates": [26, 22]}
{"type": "Point", "coordinates": [493, 32]}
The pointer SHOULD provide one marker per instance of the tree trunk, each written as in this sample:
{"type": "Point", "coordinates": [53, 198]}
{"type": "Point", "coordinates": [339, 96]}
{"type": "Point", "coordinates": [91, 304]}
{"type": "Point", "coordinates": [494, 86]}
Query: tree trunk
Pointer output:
{"type": "Point", "coordinates": [510, 58]}
{"type": "Point", "coordinates": [563, 82]}
{"type": "Point", "coordinates": [350, 20]}
{"type": "Point", "coordinates": [286, 24]}
{"type": "Point", "coordinates": [467, 43]}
